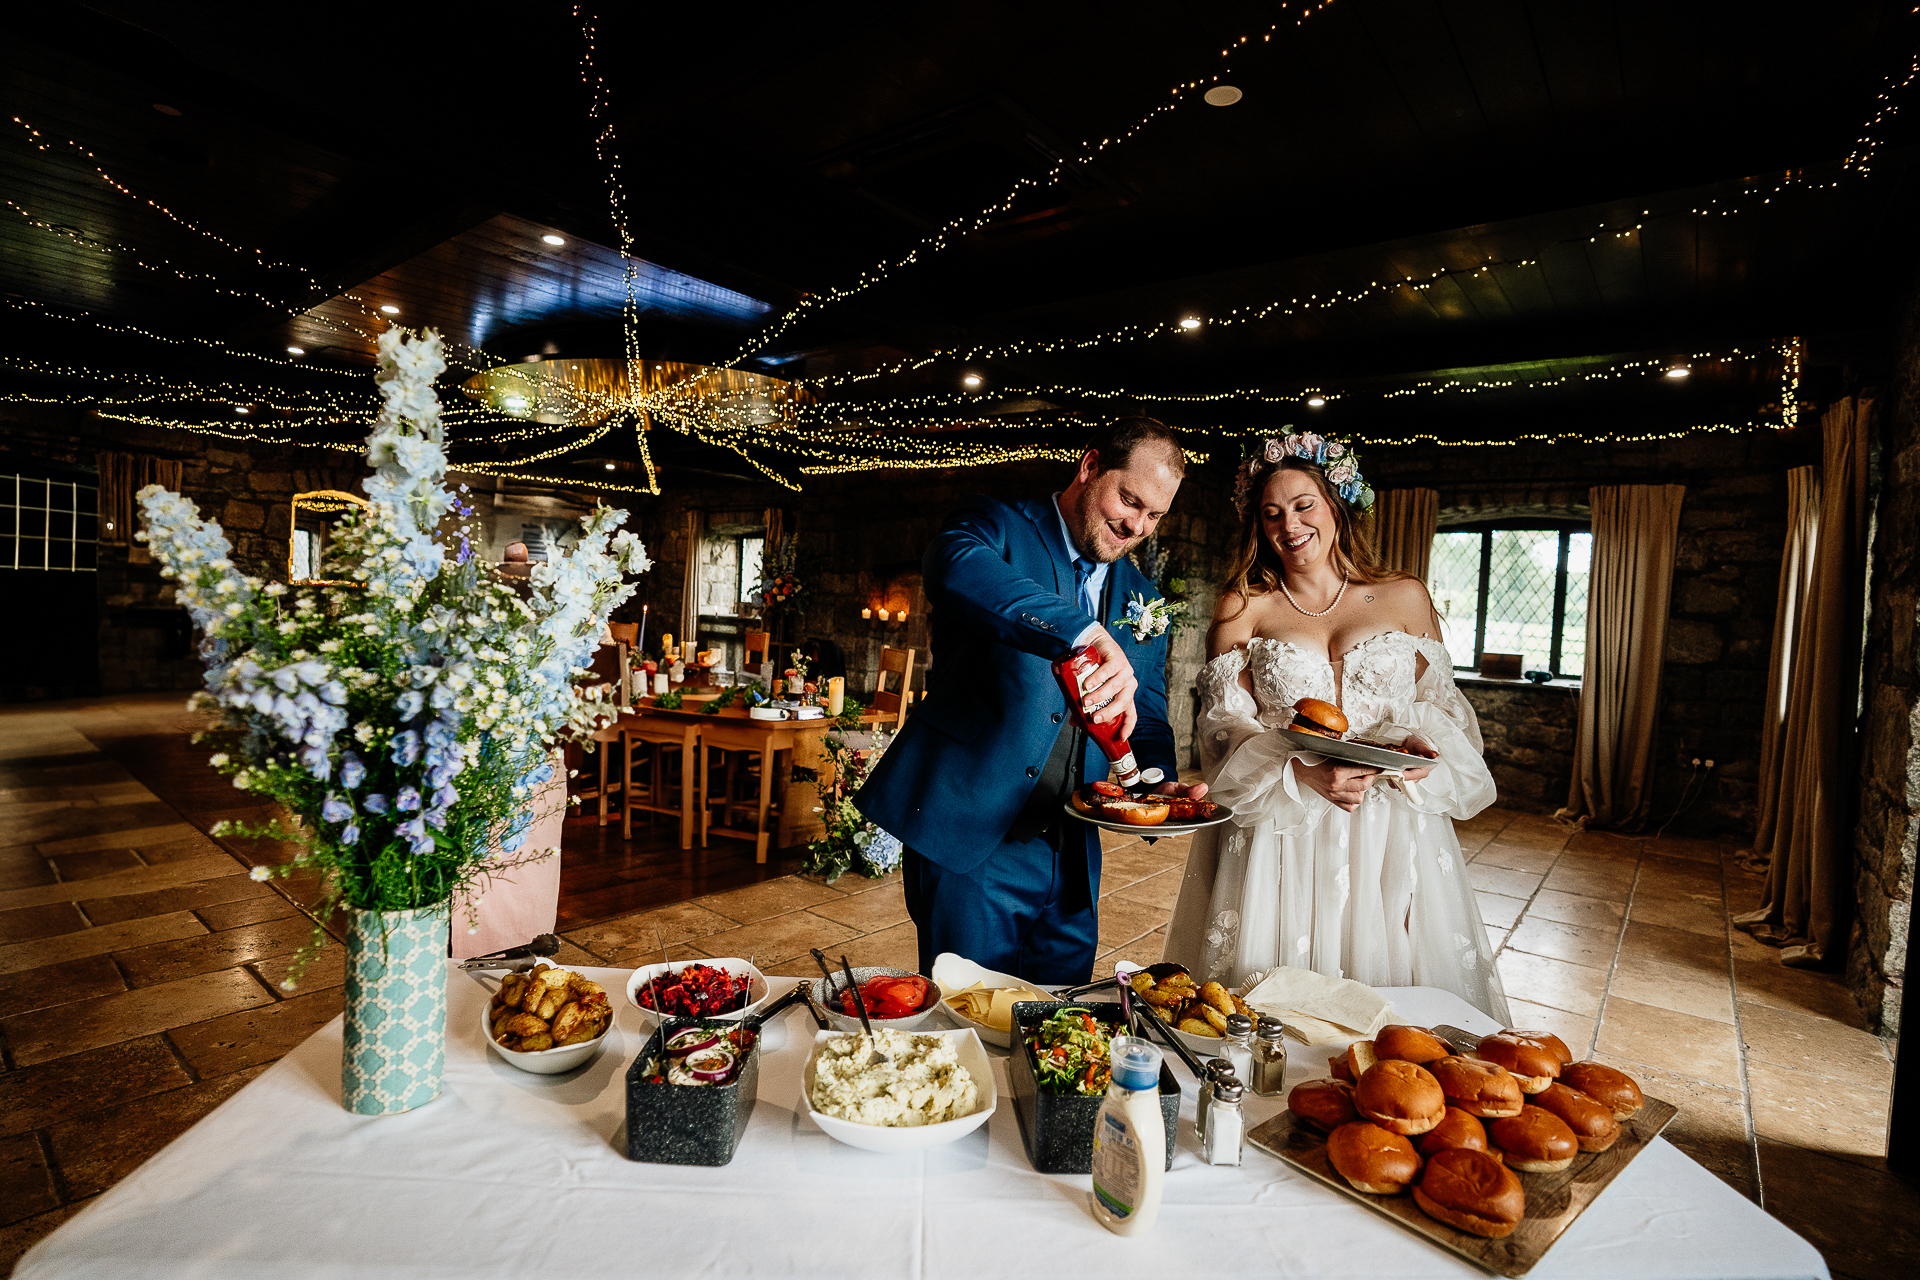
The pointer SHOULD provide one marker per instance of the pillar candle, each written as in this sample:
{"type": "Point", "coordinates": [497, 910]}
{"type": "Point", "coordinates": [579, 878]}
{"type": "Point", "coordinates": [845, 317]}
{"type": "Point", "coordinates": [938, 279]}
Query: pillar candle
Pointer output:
{"type": "Point", "coordinates": [660, 682]}
{"type": "Point", "coordinates": [836, 695]}
{"type": "Point", "coordinates": [883, 615]}
{"type": "Point", "coordinates": [666, 644]}
{"type": "Point", "coordinates": [867, 614]}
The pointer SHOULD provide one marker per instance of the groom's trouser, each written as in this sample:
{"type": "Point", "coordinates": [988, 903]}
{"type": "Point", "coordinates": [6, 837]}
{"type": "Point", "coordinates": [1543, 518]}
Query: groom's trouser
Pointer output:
{"type": "Point", "coordinates": [1028, 909]}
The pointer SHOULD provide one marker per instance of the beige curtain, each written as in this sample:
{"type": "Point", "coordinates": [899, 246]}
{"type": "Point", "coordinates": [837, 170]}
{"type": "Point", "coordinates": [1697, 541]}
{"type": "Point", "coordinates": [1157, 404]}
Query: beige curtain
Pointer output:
{"type": "Point", "coordinates": [1796, 584]}
{"type": "Point", "coordinates": [690, 590]}
{"type": "Point", "coordinates": [1809, 875]}
{"type": "Point", "coordinates": [1403, 525]}
{"type": "Point", "coordinates": [1635, 528]}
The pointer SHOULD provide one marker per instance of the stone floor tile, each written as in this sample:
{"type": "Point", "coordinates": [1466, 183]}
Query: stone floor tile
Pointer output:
{"type": "Point", "coordinates": [1575, 1031]}
{"type": "Point", "coordinates": [253, 1037]}
{"type": "Point", "coordinates": [81, 1083]}
{"type": "Point", "coordinates": [1677, 878]}
{"type": "Point", "coordinates": [167, 961]}
{"type": "Point", "coordinates": [97, 1152]}
{"type": "Point", "coordinates": [1498, 909]}
{"type": "Point", "coordinates": [1532, 831]}
{"type": "Point", "coordinates": [1122, 921]}
{"type": "Point", "coordinates": [779, 938]}
{"type": "Point", "coordinates": [1516, 858]}
{"type": "Point", "coordinates": [1747, 947]}
{"type": "Point", "coordinates": [18, 1237]}
{"type": "Point", "coordinates": [23, 867]}
{"type": "Point", "coordinates": [1652, 942]}
{"type": "Point", "coordinates": [769, 898]}
{"type": "Point", "coordinates": [897, 947]}
{"type": "Point", "coordinates": [868, 912]}
{"type": "Point", "coordinates": [1542, 937]}
{"type": "Point", "coordinates": [24, 924]}
{"type": "Point", "coordinates": [1607, 844]}
{"type": "Point", "coordinates": [1864, 1221]}
{"type": "Point", "coordinates": [1676, 1042]}
{"type": "Point", "coordinates": [1678, 987]}
{"type": "Point", "coordinates": [1694, 915]}
{"type": "Point", "coordinates": [1819, 1112]}
{"type": "Point", "coordinates": [99, 941]}
{"type": "Point", "coordinates": [1493, 879]}
{"type": "Point", "coordinates": [1711, 1126]}
{"type": "Point", "coordinates": [1141, 951]}
{"type": "Point", "coordinates": [1690, 848]}
{"type": "Point", "coordinates": [1553, 983]}
{"type": "Point", "coordinates": [1137, 862]}
{"type": "Point", "coordinates": [1111, 840]}
{"type": "Point", "coordinates": [1496, 938]}
{"type": "Point", "coordinates": [1571, 908]}
{"type": "Point", "coordinates": [234, 887]}
{"type": "Point", "coordinates": [1771, 983]}
{"type": "Point", "coordinates": [854, 882]}
{"type": "Point", "coordinates": [104, 1020]}
{"type": "Point", "coordinates": [329, 968]}
{"type": "Point", "coordinates": [1810, 1043]}
{"type": "Point", "coordinates": [1612, 880]}
{"type": "Point", "coordinates": [620, 940]}
{"type": "Point", "coordinates": [1160, 891]}
{"type": "Point", "coordinates": [62, 983]}
{"type": "Point", "coordinates": [26, 1183]}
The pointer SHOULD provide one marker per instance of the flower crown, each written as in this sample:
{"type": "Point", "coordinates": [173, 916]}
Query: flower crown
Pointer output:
{"type": "Point", "coordinates": [1341, 464]}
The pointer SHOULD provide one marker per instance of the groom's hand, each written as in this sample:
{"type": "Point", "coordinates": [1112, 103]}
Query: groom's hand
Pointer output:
{"type": "Point", "coordinates": [1194, 792]}
{"type": "Point", "coordinates": [1112, 679]}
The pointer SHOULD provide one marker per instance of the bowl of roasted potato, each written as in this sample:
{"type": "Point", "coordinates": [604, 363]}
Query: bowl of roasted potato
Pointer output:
{"type": "Point", "coordinates": [1197, 1011]}
{"type": "Point", "coordinates": [547, 1020]}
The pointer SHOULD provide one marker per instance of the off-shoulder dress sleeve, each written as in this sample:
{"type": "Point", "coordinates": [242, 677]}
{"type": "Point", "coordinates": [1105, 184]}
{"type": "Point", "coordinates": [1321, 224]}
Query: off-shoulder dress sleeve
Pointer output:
{"type": "Point", "coordinates": [1461, 784]}
{"type": "Point", "coordinates": [1248, 767]}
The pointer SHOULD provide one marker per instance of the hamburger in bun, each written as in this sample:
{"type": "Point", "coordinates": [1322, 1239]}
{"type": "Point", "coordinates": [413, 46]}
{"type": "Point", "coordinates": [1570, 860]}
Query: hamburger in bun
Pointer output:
{"type": "Point", "coordinates": [1478, 1088]}
{"type": "Point", "coordinates": [1409, 1044]}
{"type": "Point", "coordinates": [1593, 1123]}
{"type": "Point", "coordinates": [1604, 1085]}
{"type": "Point", "coordinates": [1373, 1160]}
{"type": "Point", "coordinates": [1457, 1131]}
{"type": "Point", "coordinates": [1109, 802]}
{"type": "Point", "coordinates": [1311, 715]}
{"type": "Point", "coordinates": [1400, 1096]}
{"type": "Point", "coordinates": [1533, 1061]}
{"type": "Point", "coordinates": [1324, 1104]}
{"type": "Point", "coordinates": [1473, 1192]}
{"type": "Point", "coordinates": [1535, 1141]}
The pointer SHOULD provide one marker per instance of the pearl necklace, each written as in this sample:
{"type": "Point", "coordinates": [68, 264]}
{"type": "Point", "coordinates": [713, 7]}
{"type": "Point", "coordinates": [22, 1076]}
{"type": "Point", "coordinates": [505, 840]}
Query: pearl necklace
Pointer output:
{"type": "Point", "coordinates": [1324, 612]}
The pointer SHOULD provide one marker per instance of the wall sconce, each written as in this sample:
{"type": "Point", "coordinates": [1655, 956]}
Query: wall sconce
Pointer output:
{"type": "Point", "coordinates": [887, 618]}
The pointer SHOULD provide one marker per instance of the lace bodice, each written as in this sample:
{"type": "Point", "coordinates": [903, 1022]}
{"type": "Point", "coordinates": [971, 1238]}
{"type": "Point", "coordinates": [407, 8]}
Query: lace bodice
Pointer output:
{"type": "Point", "coordinates": [1377, 685]}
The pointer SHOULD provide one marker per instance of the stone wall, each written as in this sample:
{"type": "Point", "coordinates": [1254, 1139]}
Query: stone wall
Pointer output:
{"type": "Point", "coordinates": [1885, 837]}
{"type": "Point", "coordinates": [1529, 734]}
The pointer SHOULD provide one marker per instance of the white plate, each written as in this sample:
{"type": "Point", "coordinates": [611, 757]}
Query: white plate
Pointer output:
{"type": "Point", "coordinates": [541, 1062]}
{"type": "Point", "coordinates": [1354, 752]}
{"type": "Point", "coordinates": [757, 990]}
{"type": "Point", "coordinates": [1171, 827]}
{"type": "Point", "coordinates": [871, 1137]}
{"type": "Point", "coordinates": [953, 973]}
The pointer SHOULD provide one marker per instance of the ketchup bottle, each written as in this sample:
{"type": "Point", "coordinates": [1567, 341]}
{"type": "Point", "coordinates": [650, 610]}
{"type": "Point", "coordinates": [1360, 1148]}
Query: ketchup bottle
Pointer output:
{"type": "Point", "coordinates": [1074, 672]}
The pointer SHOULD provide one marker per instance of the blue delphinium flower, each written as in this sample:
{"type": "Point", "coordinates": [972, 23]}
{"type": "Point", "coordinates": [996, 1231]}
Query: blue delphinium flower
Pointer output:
{"type": "Point", "coordinates": [334, 809]}
{"type": "Point", "coordinates": [352, 772]}
{"type": "Point", "coordinates": [406, 748]}
{"type": "Point", "coordinates": [375, 803]}
{"type": "Point", "coordinates": [409, 704]}
{"type": "Point", "coordinates": [408, 801]}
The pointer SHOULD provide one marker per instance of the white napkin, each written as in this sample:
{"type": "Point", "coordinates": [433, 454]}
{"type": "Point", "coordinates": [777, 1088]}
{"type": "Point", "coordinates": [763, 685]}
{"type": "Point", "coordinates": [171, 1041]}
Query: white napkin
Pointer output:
{"type": "Point", "coordinates": [1318, 1009]}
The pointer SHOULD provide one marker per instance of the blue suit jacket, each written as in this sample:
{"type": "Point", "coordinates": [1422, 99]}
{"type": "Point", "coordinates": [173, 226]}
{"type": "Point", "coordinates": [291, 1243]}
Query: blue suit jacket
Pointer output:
{"type": "Point", "coordinates": [999, 578]}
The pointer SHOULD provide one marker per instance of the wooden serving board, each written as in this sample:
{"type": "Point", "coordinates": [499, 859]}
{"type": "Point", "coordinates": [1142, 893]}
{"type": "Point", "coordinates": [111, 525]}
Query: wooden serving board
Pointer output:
{"type": "Point", "coordinates": [1554, 1200]}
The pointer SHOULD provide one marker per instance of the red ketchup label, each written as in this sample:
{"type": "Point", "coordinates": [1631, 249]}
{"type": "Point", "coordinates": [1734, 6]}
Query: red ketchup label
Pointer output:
{"type": "Point", "coordinates": [1075, 672]}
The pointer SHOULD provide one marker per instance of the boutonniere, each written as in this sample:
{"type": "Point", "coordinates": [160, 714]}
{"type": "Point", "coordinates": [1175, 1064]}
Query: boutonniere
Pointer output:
{"type": "Point", "coordinates": [1149, 618]}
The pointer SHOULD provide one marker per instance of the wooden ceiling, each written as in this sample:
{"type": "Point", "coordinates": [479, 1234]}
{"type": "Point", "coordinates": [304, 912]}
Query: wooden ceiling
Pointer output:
{"type": "Point", "coordinates": [223, 182]}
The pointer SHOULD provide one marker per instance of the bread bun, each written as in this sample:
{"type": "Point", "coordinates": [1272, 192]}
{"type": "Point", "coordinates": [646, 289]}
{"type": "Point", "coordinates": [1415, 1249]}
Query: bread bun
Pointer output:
{"type": "Point", "coordinates": [1373, 1160]}
{"type": "Point", "coordinates": [1472, 1191]}
{"type": "Point", "coordinates": [1138, 811]}
{"type": "Point", "coordinates": [1534, 1062]}
{"type": "Point", "coordinates": [1409, 1044]}
{"type": "Point", "coordinates": [1400, 1096]}
{"type": "Point", "coordinates": [1478, 1087]}
{"type": "Point", "coordinates": [1340, 1066]}
{"type": "Point", "coordinates": [1325, 1104]}
{"type": "Point", "coordinates": [1534, 1141]}
{"type": "Point", "coordinates": [1311, 715]}
{"type": "Point", "coordinates": [1457, 1131]}
{"type": "Point", "coordinates": [1606, 1086]}
{"type": "Point", "coordinates": [1546, 1040]}
{"type": "Point", "coordinates": [1593, 1123]}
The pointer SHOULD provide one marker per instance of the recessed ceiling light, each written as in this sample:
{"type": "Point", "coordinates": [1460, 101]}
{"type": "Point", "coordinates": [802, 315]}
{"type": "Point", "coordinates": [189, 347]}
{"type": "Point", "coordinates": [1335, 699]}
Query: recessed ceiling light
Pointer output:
{"type": "Point", "coordinates": [532, 359]}
{"type": "Point", "coordinates": [609, 466]}
{"type": "Point", "coordinates": [971, 380]}
{"type": "Point", "coordinates": [166, 110]}
{"type": "Point", "coordinates": [1190, 322]}
{"type": "Point", "coordinates": [390, 309]}
{"type": "Point", "coordinates": [1678, 371]}
{"type": "Point", "coordinates": [515, 402]}
{"type": "Point", "coordinates": [240, 408]}
{"type": "Point", "coordinates": [296, 351]}
{"type": "Point", "coordinates": [1221, 95]}
{"type": "Point", "coordinates": [1314, 402]}
{"type": "Point", "coordinates": [554, 240]}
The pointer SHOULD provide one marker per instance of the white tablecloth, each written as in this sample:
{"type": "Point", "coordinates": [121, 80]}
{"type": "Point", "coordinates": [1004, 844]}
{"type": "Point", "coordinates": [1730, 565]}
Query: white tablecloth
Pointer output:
{"type": "Point", "coordinates": [510, 1174]}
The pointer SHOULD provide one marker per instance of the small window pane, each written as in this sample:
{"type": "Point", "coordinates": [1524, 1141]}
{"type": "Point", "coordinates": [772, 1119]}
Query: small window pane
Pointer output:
{"type": "Point", "coordinates": [753, 555]}
{"type": "Point", "coordinates": [85, 556]}
{"type": "Point", "coordinates": [1454, 581]}
{"type": "Point", "coordinates": [1573, 634]}
{"type": "Point", "coordinates": [1520, 594]}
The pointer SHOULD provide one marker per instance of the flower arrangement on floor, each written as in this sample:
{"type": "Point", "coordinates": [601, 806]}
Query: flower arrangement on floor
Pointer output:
{"type": "Point", "coordinates": [850, 842]}
{"type": "Point", "coordinates": [404, 718]}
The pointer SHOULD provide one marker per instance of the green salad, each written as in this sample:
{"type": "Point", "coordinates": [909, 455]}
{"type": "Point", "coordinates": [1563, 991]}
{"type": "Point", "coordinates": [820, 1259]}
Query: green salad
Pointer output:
{"type": "Point", "coordinates": [1070, 1052]}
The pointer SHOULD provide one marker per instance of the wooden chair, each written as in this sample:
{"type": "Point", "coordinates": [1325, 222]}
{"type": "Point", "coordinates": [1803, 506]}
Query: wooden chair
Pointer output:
{"type": "Point", "coordinates": [627, 633]}
{"type": "Point", "coordinates": [895, 701]}
{"type": "Point", "coordinates": [739, 771]}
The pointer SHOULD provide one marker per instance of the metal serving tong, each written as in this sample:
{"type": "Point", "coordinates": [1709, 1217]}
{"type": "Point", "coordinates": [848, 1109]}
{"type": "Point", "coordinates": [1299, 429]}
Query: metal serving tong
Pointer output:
{"type": "Point", "coordinates": [1074, 993]}
{"type": "Point", "coordinates": [1165, 1032]}
{"type": "Point", "coordinates": [524, 956]}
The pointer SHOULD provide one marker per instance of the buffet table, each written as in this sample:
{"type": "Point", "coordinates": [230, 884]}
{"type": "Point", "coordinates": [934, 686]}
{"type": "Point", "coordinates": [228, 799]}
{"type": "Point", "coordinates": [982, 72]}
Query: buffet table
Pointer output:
{"type": "Point", "coordinates": [510, 1174]}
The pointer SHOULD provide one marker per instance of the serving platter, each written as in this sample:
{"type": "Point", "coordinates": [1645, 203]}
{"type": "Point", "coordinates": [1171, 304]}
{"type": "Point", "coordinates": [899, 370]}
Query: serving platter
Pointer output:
{"type": "Point", "coordinates": [1354, 752]}
{"type": "Point", "coordinates": [1554, 1200]}
{"type": "Point", "coordinates": [1171, 827]}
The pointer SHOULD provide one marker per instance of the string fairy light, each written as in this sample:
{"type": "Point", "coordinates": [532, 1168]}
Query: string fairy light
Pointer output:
{"type": "Point", "coordinates": [1791, 352]}
{"type": "Point", "coordinates": [1860, 159]}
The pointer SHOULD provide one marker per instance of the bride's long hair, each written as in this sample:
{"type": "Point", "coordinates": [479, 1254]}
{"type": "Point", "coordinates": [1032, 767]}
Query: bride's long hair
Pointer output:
{"type": "Point", "coordinates": [1256, 568]}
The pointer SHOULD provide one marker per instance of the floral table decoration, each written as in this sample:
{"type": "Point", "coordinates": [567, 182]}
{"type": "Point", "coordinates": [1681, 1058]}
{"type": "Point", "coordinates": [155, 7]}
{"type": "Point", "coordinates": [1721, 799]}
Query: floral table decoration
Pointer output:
{"type": "Point", "coordinates": [401, 712]}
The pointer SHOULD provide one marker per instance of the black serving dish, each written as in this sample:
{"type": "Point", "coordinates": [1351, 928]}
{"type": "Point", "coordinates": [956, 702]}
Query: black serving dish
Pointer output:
{"type": "Point", "coordinates": [1057, 1128]}
{"type": "Point", "coordinates": [688, 1124]}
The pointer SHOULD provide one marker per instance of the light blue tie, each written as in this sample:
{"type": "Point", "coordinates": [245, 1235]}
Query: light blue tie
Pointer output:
{"type": "Point", "coordinates": [1082, 579]}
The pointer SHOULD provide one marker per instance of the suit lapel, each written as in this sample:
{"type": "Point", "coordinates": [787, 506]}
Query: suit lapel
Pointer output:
{"type": "Point", "coordinates": [1046, 522]}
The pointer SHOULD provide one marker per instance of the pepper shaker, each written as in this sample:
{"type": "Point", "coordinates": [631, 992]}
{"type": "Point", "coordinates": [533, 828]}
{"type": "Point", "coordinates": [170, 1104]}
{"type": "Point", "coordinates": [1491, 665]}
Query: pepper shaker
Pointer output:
{"type": "Point", "coordinates": [1269, 1059]}
{"type": "Point", "coordinates": [1226, 1127]}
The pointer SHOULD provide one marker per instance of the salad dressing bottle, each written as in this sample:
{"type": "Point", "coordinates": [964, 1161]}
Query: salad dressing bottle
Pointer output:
{"type": "Point", "coordinates": [1129, 1140]}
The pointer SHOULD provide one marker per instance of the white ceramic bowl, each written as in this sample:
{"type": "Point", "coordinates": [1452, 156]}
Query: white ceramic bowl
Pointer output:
{"type": "Point", "coordinates": [871, 1137]}
{"type": "Point", "coordinates": [757, 990]}
{"type": "Point", "coordinates": [851, 1022]}
{"type": "Point", "coordinates": [541, 1062]}
{"type": "Point", "coordinates": [957, 973]}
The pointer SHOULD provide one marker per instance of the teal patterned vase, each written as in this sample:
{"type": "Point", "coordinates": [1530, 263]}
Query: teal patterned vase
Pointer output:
{"type": "Point", "coordinates": [396, 1043]}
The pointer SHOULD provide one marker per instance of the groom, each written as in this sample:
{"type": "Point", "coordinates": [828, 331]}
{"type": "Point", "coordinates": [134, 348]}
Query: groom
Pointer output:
{"type": "Point", "coordinates": [974, 785]}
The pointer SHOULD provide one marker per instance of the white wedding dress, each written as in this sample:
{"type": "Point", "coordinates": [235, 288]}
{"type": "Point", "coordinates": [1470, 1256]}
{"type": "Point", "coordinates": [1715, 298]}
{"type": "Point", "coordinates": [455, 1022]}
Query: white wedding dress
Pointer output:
{"type": "Point", "coordinates": [1379, 895]}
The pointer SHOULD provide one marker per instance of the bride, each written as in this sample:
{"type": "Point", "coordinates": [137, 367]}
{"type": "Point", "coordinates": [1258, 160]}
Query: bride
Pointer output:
{"type": "Point", "coordinates": [1325, 866]}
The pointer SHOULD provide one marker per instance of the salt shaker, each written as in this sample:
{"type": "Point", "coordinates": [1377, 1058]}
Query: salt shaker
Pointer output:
{"type": "Point", "coordinates": [1269, 1059]}
{"type": "Point", "coordinates": [1237, 1047]}
{"type": "Point", "coordinates": [1217, 1068]}
{"type": "Point", "coordinates": [1221, 1144]}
